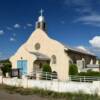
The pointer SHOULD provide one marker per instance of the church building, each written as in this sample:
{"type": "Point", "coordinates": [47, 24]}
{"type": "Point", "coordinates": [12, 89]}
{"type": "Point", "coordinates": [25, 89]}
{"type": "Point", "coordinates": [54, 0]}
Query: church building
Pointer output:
{"type": "Point", "coordinates": [40, 49]}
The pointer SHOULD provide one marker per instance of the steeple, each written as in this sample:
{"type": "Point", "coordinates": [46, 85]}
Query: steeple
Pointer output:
{"type": "Point", "coordinates": [41, 21]}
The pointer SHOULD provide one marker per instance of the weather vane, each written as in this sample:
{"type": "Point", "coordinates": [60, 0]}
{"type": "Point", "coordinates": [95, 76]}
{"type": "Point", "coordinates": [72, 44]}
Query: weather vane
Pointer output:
{"type": "Point", "coordinates": [41, 12]}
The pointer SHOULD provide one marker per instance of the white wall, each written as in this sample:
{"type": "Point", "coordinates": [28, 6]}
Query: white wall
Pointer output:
{"type": "Point", "coordinates": [58, 86]}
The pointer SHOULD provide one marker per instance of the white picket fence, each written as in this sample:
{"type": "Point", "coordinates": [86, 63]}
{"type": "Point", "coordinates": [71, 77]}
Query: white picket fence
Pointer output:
{"type": "Point", "coordinates": [83, 78]}
{"type": "Point", "coordinates": [54, 85]}
{"type": "Point", "coordinates": [53, 76]}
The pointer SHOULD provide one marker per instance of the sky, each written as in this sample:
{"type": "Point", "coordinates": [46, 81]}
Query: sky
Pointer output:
{"type": "Point", "coordinates": [75, 23]}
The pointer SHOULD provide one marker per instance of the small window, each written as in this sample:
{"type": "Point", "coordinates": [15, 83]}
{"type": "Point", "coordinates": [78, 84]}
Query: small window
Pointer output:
{"type": "Point", "coordinates": [53, 59]}
{"type": "Point", "coordinates": [37, 46]}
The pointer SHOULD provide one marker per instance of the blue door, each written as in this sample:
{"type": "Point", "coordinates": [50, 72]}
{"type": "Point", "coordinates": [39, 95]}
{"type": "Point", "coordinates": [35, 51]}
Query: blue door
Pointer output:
{"type": "Point", "coordinates": [22, 66]}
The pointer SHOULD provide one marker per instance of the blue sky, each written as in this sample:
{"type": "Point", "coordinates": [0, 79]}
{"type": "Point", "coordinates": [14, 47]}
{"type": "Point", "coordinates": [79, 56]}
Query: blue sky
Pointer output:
{"type": "Point", "coordinates": [73, 22]}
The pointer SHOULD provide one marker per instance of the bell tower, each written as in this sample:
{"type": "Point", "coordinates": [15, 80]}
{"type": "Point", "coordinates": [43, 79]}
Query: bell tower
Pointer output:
{"type": "Point", "coordinates": [41, 21]}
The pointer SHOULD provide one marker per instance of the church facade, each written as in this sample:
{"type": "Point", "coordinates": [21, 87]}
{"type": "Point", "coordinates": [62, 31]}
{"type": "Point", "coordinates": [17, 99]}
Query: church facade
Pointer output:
{"type": "Point", "coordinates": [40, 49]}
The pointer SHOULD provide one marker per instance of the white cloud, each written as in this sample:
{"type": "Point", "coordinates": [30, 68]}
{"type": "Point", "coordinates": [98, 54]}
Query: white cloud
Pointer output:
{"type": "Point", "coordinates": [29, 25]}
{"type": "Point", "coordinates": [62, 22]}
{"type": "Point", "coordinates": [82, 48]}
{"type": "Point", "coordinates": [96, 24]}
{"type": "Point", "coordinates": [16, 26]}
{"type": "Point", "coordinates": [24, 27]}
{"type": "Point", "coordinates": [81, 6]}
{"type": "Point", "coordinates": [9, 28]}
{"type": "Point", "coordinates": [92, 19]}
{"type": "Point", "coordinates": [77, 2]}
{"type": "Point", "coordinates": [85, 8]}
{"type": "Point", "coordinates": [12, 39]}
{"type": "Point", "coordinates": [95, 42]}
{"type": "Point", "coordinates": [14, 34]}
{"type": "Point", "coordinates": [1, 32]}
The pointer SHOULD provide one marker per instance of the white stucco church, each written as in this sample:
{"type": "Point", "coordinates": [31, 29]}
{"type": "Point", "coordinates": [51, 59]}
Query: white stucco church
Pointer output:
{"type": "Point", "coordinates": [40, 49]}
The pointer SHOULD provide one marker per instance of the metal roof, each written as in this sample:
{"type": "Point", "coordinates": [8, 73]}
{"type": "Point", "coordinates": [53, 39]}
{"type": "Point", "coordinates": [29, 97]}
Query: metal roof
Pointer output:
{"type": "Point", "coordinates": [40, 56]}
{"type": "Point", "coordinates": [93, 66]}
{"type": "Point", "coordinates": [79, 50]}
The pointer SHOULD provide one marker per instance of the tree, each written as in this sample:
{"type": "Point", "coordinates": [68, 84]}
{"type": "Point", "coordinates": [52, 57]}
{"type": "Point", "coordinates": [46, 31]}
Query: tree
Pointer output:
{"type": "Point", "coordinates": [6, 69]}
{"type": "Point", "coordinates": [73, 70]}
{"type": "Point", "coordinates": [46, 68]}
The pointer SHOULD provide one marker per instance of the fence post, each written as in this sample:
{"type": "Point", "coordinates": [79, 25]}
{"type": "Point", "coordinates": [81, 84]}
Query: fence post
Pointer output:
{"type": "Point", "coordinates": [80, 79]}
{"type": "Point", "coordinates": [69, 78]}
{"type": "Point", "coordinates": [84, 78]}
{"type": "Point", "coordinates": [24, 81]}
{"type": "Point", "coordinates": [51, 77]}
{"type": "Point", "coordinates": [1, 79]}
{"type": "Point", "coordinates": [58, 85]}
{"type": "Point", "coordinates": [37, 76]}
{"type": "Point", "coordinates": [46, 75]}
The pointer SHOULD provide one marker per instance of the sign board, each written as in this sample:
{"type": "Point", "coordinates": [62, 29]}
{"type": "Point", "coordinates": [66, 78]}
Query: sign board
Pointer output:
{"type": "Point", "coordinates": [15, 73]}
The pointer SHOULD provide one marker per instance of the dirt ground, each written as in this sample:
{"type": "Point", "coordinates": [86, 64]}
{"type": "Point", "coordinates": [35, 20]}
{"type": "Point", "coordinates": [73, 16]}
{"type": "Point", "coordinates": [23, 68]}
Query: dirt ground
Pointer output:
{"type": "Point", "coordinates": [6, 96]}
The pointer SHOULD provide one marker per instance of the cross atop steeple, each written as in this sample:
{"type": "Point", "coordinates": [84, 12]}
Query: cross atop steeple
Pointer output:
{"type": "Point", "coordinates": [41, 12]}
{"type": "Point", "coordinates": [41, 24]}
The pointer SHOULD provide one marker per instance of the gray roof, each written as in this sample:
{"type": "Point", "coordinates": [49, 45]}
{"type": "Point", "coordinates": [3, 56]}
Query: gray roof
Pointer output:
{"type": "Point", "coordinates": [79, 50]}
{"type": "Point", "coordinates": [40, 56]}
{"type": "Point", "coordinates": [93, 66]}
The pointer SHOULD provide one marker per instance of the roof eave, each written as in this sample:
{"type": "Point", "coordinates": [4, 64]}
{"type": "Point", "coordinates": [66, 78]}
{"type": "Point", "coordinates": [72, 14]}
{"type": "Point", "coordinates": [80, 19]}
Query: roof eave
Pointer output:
{"type": "Point", "coordinates": [69, 49]}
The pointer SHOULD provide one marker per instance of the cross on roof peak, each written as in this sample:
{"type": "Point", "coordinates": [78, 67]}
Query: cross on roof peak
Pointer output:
{"type": "Point", "coordinates": [41, 12]}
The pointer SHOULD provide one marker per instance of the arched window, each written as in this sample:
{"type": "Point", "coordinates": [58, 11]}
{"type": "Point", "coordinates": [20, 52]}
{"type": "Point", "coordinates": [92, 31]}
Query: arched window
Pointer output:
{"type": "Point", "coordinates": [37, 46]}
{"type": "Point", "coordinates": [53, 59]}
{"type": "Point", "coordinates": [54, 75]}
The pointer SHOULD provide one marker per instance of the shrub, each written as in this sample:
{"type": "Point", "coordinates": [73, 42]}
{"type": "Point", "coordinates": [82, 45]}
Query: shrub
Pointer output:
{"type": "Point", "coordinates": [73, 70]}
{"type": "Point", "coordinates": [6, 69]}
{"type": "Point", "coordinates": [89, 73]}
{"type": "Point", "coordinates": [46, 72]}
{"type": "Point", "coordinates": [46, 68]}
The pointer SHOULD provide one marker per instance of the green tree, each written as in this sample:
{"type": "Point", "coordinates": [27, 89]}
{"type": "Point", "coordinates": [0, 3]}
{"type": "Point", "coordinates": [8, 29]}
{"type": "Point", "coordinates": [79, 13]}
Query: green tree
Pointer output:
{"type": "Point", "coordinates": [6, 69]}
{"type": "Point", "coordinates": [73, 70]}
